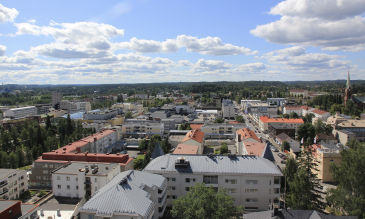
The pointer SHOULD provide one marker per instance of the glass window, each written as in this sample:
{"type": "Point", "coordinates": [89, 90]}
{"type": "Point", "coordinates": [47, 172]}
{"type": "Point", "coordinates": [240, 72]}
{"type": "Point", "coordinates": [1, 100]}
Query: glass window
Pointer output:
{"type": "Point", "coordinates": [276, 190]}
{"type": "Point", "coordinates": [58, 177]}
{"type": "Point", "coordinates": [77, 179]}
{"type": "Point", "coordinates": [187, 180]}
{"type": "Point", "coordinates": [77, 187]}
{"type": "Point", "coordinates": [67, 178]}
{"type": "Point", "coordinates": [51, 166]}
{"type": "Point", "coordinates": [187, 189]}
{"type": "Point", "coordinates": [68, 186]}
{"type": "Point", "coordinates": [45, 177]}
{"type": "Point", "coordinates": [59, 186]}
{"type": "Point", "coordinates": [277, 180]}
{"type": "Point", "coordinates": [95, 179]}
{"type": "Point", "coordinates": [44, 165]}
{"type": "Point", "coordinates": [45, 171]}
{"type": "Point", "coordinates": [173, 179]}
{"type": "Point", "coordinates": [254, 182]}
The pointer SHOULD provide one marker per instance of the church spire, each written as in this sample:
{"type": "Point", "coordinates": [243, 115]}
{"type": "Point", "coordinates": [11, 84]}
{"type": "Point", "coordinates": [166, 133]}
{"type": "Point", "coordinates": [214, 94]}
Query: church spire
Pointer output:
{"type": "Point", "coordinates": [348, 80]}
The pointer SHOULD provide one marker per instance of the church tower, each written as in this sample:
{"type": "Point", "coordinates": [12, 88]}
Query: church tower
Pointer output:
{"type": "Point", "coordinates": [348, 91]}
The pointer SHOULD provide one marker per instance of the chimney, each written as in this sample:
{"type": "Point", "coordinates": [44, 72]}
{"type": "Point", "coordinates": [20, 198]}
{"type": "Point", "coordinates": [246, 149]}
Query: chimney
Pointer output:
{"type": "Point", "coordinates": [58, 213]}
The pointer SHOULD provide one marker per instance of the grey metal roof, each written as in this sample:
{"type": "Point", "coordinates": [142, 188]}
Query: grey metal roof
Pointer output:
{"type": "Point", "coordinates": [220, 164]}
{"type": "Point", "coordinates": [125, 198]}
{"type": "Point", "coordinates": [157, 151]}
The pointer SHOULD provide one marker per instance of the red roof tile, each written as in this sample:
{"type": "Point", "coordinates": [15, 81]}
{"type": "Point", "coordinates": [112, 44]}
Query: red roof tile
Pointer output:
{"type": "Point", "coordinates": [195, 135]}
{"type": "Point", "coordinates": [186, 149]}
{"type": "Point", "coordinates": [265, 119]}
{"type": "Point", "coordinates": [196, 126]}
{"type": "Point", "coordinates": [254, 148]}
{"type": "Point", "coordinates": [320, 112]}
{"type": "Point", "coordinates": [247, 133]}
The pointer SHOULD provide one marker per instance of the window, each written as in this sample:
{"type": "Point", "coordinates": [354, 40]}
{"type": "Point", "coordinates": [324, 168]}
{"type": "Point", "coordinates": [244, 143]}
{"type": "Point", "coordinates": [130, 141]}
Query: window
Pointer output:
{"type": "Point", "coordinates": [269, 200]}
{"type": "Point", "coordinates": [251, 200]}
{"type": "Point", "coordinates": [67, 178]}
{"type": "Point", "coordinates": [167, 197]}
{"type": "Point", "coordinates": [68, 186]}
{"type": "Point", "coordinates": [276, 200]}
{"type": "Point", "coordinates": [232, 190]}
{"type": "Point", "coordinates": [77, 187]}
{"type": "Point", "coordinates": [276, 190]}
{"type": "Point", "coordinates": [68, 195]}
{"type": "Point", "coordinates": [51, 166]}
{"type": "Point", "coordinates": [59, 194]}
{"type": "Point", "coordinates": [251, 190]}
{"type": "Point", "coordinates": [167, 178]}
{"type": "Point", "coordinates": [55, 166]}
{"type": "Point", "coordinates": [45, 165]}
{"type": "Point", "coordinates": [58, 177]}
{"type": "Point", "coordinates": [187, 189]}
{"type": "Point", "coordinates": [269, 191]}
{"type": "Point", "coordinates": [95, 179]}
{"type": "Point", "coordinates": [38, 177]}
{"type": "Point", "coordinates": [171, 188]}
{"type": "Point", "coordinates": [45, 171]}
{"type": "Point", "coordinates": [45, 177]}
{"type": "Point", "coordinates": [270, 182]}
{"type": "Point", "coordinates": [174, 197]}
{"type": "Point", "coordinates": [251, 208]}
{"type": "Point", "coordinates": [277, 180]}
{"type": "Point", "coordinates": [173, 179]}
{"type": "Point", "coordinates": [58, 186]}
{"type": "Point", "coordinates": [210, 179]}
{"type": "Point", "coordinates": [254, 182]}
{"type": "Point", "coordinates": [187, 180]}
{"type": "Point", "coordinates": [96, 188]}
{"type": "Point", "coordinates": [77, 179]}
{"type": "Point", "coordinates": [91, 216]}
{"type": "Point", "coordinates": [332, 160]}
{"type": "Point", "coordinates": [232, 181]}
{"type": "Point", "coordinates": [233, 199]}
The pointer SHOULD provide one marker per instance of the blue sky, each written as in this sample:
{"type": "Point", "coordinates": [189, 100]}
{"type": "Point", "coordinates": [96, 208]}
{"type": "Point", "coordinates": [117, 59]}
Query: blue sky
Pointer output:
{"type": "Point", "coordinates": [142, 41]}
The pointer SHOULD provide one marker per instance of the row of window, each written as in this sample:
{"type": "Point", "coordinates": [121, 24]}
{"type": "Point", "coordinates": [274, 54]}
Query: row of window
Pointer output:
{"type": "Point", "coordinates": [214, 179]}
{"type": "Point", "coordinates": [50, 165]}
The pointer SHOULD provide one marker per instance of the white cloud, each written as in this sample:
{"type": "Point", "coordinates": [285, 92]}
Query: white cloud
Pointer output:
{"type": "Point", "coordinates": [32, 21]}
{"type": "Point", "coordinates": [324, 9]}
{"type": "Point", "coordinates": [211, 65]}
{"type": "Point", "coordinates": [7, 14]}
{"type": "Point", "coordinates": [2, 50]}
{"type": "Point", "coordinates": [310, 23]}
{"type": "Point", "coordinates": [27, 28]}
{"type": "Point", "coordinates": [184, 63]}
{"type": "Point", "coordinates": [206, 46]}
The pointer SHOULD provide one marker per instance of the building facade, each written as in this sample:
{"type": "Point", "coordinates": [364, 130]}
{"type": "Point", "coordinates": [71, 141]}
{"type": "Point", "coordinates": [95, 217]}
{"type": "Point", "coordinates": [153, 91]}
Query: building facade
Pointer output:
{"type": "Point", "coordinates": [12, 183]}
{"type": "Point", "coordinates": [221, 130]}
{"type": "Point", "coordinates": [56, 99]}
{"type": "Point", "coordinates": [138, 130]}
{"type": "Point", "coordinates": [21, 112]}
{"type": "Point", "coordinates": [253, 182]}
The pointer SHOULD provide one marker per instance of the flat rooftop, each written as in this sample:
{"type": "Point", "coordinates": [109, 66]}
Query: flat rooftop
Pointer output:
{"type": "Point", "coordinates": [73, 168]}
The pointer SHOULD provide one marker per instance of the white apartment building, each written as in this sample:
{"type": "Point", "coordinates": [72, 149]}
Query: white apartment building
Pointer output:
{"type": "Point", "coordinates": [276, 101]}
{"type": "Point", "coordinates": [221, 130]}
{"type": "Point", "coordinates": [137, 130]}
{"type": "Point", "coordinates": [101, 141]}
{"type": "Point", "coordinates": [130, 194]}
{"type": "Point", "coordinates": [228, 109]}
{"type": "Point", "coordinates": [252, 181]}
{"type": "Point", "coordinates": [73, 107]}
{"type": "Point", "coordinates": [142, 96]}
{"type": "Point", "coordinates": [12, 183]}
{"type": "Point", "coordinates": [293, 109]}
{"type": "Point", "coordinates": [21, 112]}
{"type": "Point", "coordinates": [76, 179]}
{"type": "Point", "coordinates": [102, 115]}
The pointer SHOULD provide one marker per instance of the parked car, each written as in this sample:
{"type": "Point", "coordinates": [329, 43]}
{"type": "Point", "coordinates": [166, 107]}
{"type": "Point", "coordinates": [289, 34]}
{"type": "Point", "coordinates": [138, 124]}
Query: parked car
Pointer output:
{"type": "Point", "coordinates": [124, 152]}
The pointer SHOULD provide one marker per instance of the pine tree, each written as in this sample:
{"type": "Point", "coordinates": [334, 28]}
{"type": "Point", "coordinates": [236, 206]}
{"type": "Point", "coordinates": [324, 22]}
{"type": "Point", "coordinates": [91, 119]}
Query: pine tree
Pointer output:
{"type": "Point", "coordinates": [48, 122]}
{"type": "Point", "coordinates": [13, 161]}
{"type": "Point", "coordinates": [21, 158]}
{"type": "Point", "coordinates": [29, 156]}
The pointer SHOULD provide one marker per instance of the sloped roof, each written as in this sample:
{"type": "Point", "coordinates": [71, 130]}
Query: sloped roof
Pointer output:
{"type": "Point", "coordinates": [195, 135]}
{"type": "Point", "coordinates": [306, 107]}
{"type": "Point", "coordinates": [267, 153]}
{"type": "Point", "coordinates": [259, 149]}
{"type": "Point", "coordinates": [319, 112]}
{"type": "Point", "coordinates": [186, 149]}
{"type": "Point", "coordinates": [196, 126]}
{"type": "Point", "coordinates": [218, 164]}
{"type": "Point", "coordinates": [157, 151]}
{"type": "Point", "coordinates": [283, 137]}
{"type": "Point", "coordinates": [266, 119]}
{"type": "Point", "coordinates": [125, 198]}
{"type": "Point", "coordinates": [247, 133]}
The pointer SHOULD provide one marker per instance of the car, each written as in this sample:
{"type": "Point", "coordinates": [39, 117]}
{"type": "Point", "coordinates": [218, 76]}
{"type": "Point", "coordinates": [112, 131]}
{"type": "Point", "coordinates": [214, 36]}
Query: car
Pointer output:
{"type": "Point", "coordinates": [124, 152]}
{"type": "Point", "coordinates": [141, 152]}
{"type": "Point", "coordinates": [274, 150]}
{"type": "Point", "coordinates": [283, 157]}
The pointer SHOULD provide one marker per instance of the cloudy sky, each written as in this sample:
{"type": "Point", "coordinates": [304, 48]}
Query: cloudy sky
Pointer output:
{"type": "Point", "coordinates": [93, 41]}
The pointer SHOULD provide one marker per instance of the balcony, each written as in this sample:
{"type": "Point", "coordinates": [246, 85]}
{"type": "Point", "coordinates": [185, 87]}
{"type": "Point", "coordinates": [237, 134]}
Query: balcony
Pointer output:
{"type": "Point", "coordinates": [3, 184]}
{"type": "Point", "coordinates": [162, 199]}
{"type": "Point", "coordinates": [4, 191]}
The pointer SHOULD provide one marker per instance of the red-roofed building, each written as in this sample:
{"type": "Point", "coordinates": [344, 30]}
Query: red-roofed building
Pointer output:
{"type": "Point", "coordinates": [194, 137]}
{"type": "Point", "coordinates": [292, 109]}
{"type": "Point", "coordinates": [245, 134]}
{"type": "Point", "coordinates": [196, 126]}
{"type": "Point", "coordinates": [264, 122]}
{"type": "Point", "coordinates": [321, 114]}
{"type": "Point", "coordinates": [186, 149]}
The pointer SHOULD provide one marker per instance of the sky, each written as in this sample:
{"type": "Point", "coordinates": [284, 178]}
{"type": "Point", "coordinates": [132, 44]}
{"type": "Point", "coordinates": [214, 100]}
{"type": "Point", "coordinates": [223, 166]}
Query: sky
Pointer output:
{"type": "Point", "coordinates": [145, 41]}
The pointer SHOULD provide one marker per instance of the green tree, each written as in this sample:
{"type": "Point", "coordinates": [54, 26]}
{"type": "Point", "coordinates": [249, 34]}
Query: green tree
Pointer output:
{"type": "Point", "coordinates": [219, 120]}
{"type": "Point", "coordinates": [349, 196]}
{"type": "Point", "coordinates": [305, 131]}
{"type": "Point", "coordinates": [300, 192]}
{"type": "Point", "coordinates": [143, 145]}
{"type": "Point", "coordinates": [165, 145]}
{"type": "Point", "coordinates": [69, 129]}
{"type": "Point", "coordinates": [224, 148]}
{"type": "Point", "coordinates": [29, 156]}
{"type": "Point", "coordinates": [48, 122]}
{"type": "Point", "coordinates": [128, 115]}
{"type": "Point", "coordinates": [138, 162]}
{"type": "Point", "coordinates": [286, 116]}
{"type": "Point", "coordinates": [319, 126]}
{"type": "Point", "coordinates": [308, 118]}
{"type": "Point", "coordinates": [184, 103]}
{"type": "Point", "coordinates": [336, 108]}
{"type": "Point", "coordinates": [13, 161]}
{"type": "Point", "coordinates": [285, 146]}
{"type": "Point", "coordinates": [290, 170]}
{"type": "Point", "coordinates": [293, 115]}
{"type": "Point", "coordinates": [203, 202]}
{"type": "Point", "coordinates": [21, 157]}
{"type": "Point", "coordinates": [240, 119]}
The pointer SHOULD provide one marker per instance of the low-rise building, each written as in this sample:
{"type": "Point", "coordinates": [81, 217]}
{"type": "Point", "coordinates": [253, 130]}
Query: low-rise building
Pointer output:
{"type": "Point", "coordinates": [184, 109]}
{"type": "Point", "coordinates": [77, 179]}
{"type": "Point", "coordinates": [252, 181]}
{"type": "Point", "coordinates": [221, 130]}
{"type": "Point", "coordinates": [354, 126]}
{"type": "Point", "coordinates": [276, 101]}
{"type": "Point", "coordinates": [18, 210]}
{"type": "Point", "coordinates": [276, 128]}
{"type": "Point", "coordinates": [261, 108]}
{"type": "Point", "coordinates": [258, 149]}
{"type": "Point", "coordinates": [194, 137]}
{"type": "Point", "coordinates": [102, 115]}
{"type": "Point", "coordinates": [142, 96]}
{"type": "Point", "coordinates": [245, 134]}
{"type": "Point", "coordinates": [186, 149]}
{"type": "Point", "coordinates": [294, 145]}
{"type": "Point", "coordinates": [12, 183]}
{"type": "Point", "coordinates": [327, 138]}
{"type": "Point", "coordinates": [321, 114]}
{"type": "Point", "coordinates": [292, 109]}
{"type": "Point", "coordinates": [141, 130]}
{"type": "Point", "coordinates": [21, 112]}
{"type": "Point", "coordinates": [299, 93]}
{"type": "Point", "coordinates": [264, 122]}
{"type": "Point", "coordinates": [130, 194]}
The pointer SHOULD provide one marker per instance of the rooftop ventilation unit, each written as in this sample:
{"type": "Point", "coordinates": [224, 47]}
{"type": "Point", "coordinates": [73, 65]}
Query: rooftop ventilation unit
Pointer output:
{"type": "Point", "coordinates": [181, 162]}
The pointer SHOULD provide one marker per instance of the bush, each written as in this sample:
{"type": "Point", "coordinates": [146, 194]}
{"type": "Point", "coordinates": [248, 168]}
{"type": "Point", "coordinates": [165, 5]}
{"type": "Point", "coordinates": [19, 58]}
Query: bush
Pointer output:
{"type": "Point", "coordinates": [224, 148]}
{"type": "Point", "coordinates": [42, 193]}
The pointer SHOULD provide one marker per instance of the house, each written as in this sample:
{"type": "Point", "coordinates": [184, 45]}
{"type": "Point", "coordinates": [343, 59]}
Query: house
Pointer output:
{"type": "Point", "coordinates": [294, 145]}
{"type": "Point", "coordinates": [13, 183]}
{"type": "Point", "coordinates": [186, 149]}
{"type": "Point", "coordinates": [276, 128]}
{"type": "Point", "coordinates": [306, 110]}
{"type": "Point", "coordinates": [130, 194]}
{"type": "Point", "coordinates": [17, 210]}
{"type": "Point", "coordinates": [194, 137]}
{"type": "Point", "coordinates": [293, 109]}
{"type": "Point", "coordinates": [328, 138]}
{"type": "Point", "coordinates": [264, 122]}
{"type": "Point", "coordinates": [77, 179]}
{"type": "Point", "coordinates": [252, 181]}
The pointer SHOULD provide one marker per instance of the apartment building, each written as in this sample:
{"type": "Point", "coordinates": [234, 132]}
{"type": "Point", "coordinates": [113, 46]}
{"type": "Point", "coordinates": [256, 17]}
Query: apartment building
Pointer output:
{"type": "Point", "coordinates": [276, 101]}
{"type": "Point", "coordinates": [221, 130]}
{"type": "Point", "coordinates": [140, 130]}
{"type": "Point", "coordinates": [321, 114]}
{"type": "Point", "coordinates": [260, 107]}
{"type": "Point", "coordinates": [77, 179]}
{"type": "Point", "coordinates": [73, 107]}
{"type": "Point", "coordinates": [56, 99]}
{"type": "Point", "coordinates": [130, 194]}
{"type": "Point", "coordinates": [258, 149]}
{"type": "Point", "coordinates": [12, 183]}
{"type": "Point", "coordinates": [252, 181]}
{"type": "Point", "coordinates": [132, 106]}
{"type": "Point", "coordinates": [21, 112]}
{"type": "Point", "coordinates": [292, 109]}
{"type": "Point", "coordinates": [264, 122]}
{"type": "Point", "coordinates": [142, 96]}
{"type": "Point", "coordinates": [351, 127]}
{"type": "Point", "coordinates": [276, 128]}
{"type": "Point", "coordinates": [18, 210]}
{"type": "Point", "coordinates": [228, 110]}
{"type": "Point", "coordinates": [185, 109]}
{"type": "Point", "coordinates": [102, 115]}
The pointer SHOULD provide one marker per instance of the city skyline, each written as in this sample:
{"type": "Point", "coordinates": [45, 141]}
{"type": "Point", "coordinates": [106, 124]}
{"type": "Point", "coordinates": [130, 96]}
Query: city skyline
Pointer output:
{"type": "Point", "coordinates": [86, 42]}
